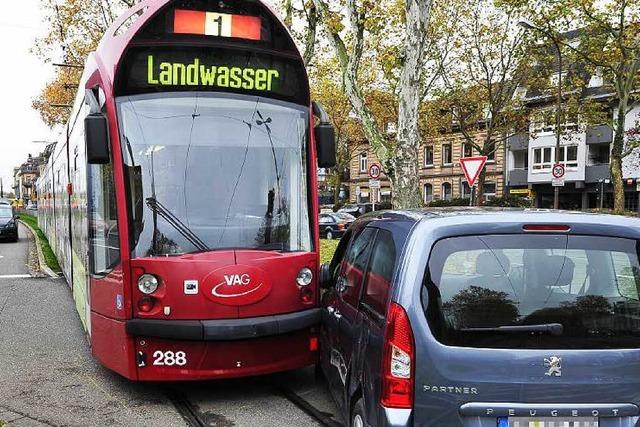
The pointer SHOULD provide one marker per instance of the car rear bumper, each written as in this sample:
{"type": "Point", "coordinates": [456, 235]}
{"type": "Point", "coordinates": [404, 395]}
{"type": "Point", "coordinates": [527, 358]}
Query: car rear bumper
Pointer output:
{"type": "Point", "coordinates": [393, 417]}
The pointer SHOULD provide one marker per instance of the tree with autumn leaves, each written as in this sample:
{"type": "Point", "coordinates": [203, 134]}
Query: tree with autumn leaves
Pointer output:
{"type": "Point", "coordinates": [75, 29]}
{"type": "Point", "coordinates": [609, 45]}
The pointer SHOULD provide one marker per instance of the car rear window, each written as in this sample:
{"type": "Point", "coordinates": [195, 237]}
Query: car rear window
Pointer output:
{"type": "Point", "coordinates": [6, 212]}
{"type": "Point", "coordinates": [534, 291]}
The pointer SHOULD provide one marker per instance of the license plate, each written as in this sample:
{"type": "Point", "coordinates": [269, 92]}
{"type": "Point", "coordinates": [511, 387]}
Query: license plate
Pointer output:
{"type": "Point", "coordinates": [548, 422]}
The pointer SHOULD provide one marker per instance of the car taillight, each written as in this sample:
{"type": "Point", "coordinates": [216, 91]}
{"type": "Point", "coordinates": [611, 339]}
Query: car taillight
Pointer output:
{"type": "Point", "coordinates": [398, 365]}
{"type": "Point", "coordinates": [340, 226]}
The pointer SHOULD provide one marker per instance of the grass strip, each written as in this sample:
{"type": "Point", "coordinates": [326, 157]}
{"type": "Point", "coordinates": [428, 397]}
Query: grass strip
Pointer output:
{"type": "Point", "coordinates": [49, 257]}
{"type": "Point", "coordinates": [327, 249]}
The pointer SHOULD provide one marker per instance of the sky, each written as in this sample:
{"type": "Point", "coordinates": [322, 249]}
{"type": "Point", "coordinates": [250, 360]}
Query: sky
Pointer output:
{"type": "Point", "coordinates": [22, 76]}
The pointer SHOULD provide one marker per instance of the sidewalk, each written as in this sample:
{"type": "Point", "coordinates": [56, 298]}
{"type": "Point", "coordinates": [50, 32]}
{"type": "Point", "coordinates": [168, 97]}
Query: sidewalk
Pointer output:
{"type": "Point", "coordinates": [47, 374]}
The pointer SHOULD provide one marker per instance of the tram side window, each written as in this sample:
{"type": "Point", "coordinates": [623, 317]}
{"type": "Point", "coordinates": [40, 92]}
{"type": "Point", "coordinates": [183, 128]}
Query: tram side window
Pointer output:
{"type": "Point", "coordinates": [103, 219]}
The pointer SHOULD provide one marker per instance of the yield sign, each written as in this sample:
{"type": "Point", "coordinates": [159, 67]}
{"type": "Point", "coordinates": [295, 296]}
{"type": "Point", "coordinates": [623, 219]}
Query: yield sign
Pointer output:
{"type": "Point", "coordinates": [471, 166]}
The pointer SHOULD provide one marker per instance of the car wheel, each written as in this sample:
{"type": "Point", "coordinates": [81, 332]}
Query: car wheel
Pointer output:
{"type": "Point", "coordinates": [357, 416]}
{"type": "Point", "coordinates": [329, 234]}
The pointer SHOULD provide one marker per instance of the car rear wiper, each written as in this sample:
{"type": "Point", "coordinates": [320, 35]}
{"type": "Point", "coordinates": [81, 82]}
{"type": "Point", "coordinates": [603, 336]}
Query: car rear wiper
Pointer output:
{"type": "Point", "coordinates": [555, 329]}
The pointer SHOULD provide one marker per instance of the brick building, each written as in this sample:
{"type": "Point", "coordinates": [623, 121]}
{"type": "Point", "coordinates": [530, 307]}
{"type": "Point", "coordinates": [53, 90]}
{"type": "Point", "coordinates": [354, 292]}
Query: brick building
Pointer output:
{"type": "Point", "coordinates": [441, 177]}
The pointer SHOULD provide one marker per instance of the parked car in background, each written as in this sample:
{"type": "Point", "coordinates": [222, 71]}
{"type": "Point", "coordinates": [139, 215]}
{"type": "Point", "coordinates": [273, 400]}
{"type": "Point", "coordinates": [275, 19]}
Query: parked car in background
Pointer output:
{"type": "Point", "coordinates": [334, 225]}
{"type": "Point", "coordinates": [5, 202]}
{"type": "Point", "coordinates": [360, 209]}
{"type": "Point", "coordinates": [8, 223]}
{"type": "Point", "coordinates": [484, 318]}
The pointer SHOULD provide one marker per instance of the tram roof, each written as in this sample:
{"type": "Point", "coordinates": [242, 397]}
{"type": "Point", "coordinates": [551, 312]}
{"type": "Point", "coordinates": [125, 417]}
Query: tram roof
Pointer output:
{"type": "Point", "coordinates": [122, 31]}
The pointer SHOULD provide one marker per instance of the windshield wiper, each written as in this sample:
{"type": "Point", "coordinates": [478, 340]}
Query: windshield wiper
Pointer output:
{"type": "Point", "coordinates": [555, 329]}
{"type": "Point", "coordinates": [175, 222]}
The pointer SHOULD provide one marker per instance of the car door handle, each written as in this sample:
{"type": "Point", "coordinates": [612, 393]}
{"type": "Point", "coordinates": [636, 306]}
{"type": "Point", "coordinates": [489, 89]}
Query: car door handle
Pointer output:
{"type": "Point", "coordinates": [334, 312]}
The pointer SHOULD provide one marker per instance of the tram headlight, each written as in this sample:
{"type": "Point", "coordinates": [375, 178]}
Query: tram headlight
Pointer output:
{"type": "Point", "coordinates": [305, 276]}
{"type": "Point", "coordinates": [148, 284]}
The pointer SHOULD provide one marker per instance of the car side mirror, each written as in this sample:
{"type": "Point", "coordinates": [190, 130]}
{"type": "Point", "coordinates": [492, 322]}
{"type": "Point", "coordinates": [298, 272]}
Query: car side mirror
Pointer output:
{"type": "Point", "coordinates": [325, 276]}
{"type": "Point", "coordinates": [97, 139]}
{"type": "Point", "coordinates": [325, 137]}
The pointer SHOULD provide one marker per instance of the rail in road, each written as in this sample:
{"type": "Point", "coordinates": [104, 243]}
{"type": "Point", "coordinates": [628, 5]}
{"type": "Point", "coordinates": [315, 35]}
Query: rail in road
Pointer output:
{"type": "Point", "coordinates": [194, 416]}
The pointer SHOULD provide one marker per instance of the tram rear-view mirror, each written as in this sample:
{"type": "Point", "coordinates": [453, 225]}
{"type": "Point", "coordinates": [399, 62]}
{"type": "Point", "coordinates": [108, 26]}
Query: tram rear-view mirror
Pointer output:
{"type": "Point", "coordinates": [325, 136]}
{"type": "Point", "coordinates": [97, 139]}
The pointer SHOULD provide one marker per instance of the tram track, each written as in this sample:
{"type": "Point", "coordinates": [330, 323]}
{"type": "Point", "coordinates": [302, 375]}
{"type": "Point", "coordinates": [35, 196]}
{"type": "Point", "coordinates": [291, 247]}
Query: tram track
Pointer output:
{"type": "Point", "coordinates": [194, 417]}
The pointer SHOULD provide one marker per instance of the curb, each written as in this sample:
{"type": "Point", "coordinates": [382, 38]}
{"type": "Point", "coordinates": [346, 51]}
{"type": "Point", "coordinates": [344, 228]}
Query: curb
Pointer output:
{"type": "Point", "coordinates": [43, 265]}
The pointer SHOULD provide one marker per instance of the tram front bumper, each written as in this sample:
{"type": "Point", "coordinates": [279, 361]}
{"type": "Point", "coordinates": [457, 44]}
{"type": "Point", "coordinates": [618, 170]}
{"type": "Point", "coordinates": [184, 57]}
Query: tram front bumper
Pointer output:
{"type": "Point", "coordinates": [199, 350]}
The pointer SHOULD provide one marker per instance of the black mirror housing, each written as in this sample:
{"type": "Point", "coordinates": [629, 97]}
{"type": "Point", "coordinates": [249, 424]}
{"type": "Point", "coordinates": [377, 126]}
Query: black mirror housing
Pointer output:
{"type": "Point", "coordinates": [326, 145]}
{"type": "Point", "coordinates": [325, 276]}
{"type": "Point", "coordinates": [97, 139]}
{"type": "Point", "coordinates": [325, 136]}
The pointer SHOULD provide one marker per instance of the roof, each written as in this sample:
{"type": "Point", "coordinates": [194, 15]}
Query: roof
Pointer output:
{"type": "Point", "coordinates": [459, 215]}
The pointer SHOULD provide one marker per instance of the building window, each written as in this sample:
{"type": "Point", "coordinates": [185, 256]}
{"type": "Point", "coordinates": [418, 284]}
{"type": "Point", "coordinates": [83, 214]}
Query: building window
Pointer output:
{"type": "Point", "coordinates": [446, 191]}
{"type": "Point", "coordinates": [520, 159]}
{"type": "Point", "coordinates": [489, 190]}
{"type": "Point", "coordinates": [428, 193]}
{"type": "Point", "coordinates": [542, 158]}
{"type": "Point", "coordinates": [428, 156]}
{"type": "Point", "coordinates": [446, 154]}
{"type": "Point", "coordinates": [467, 150]}
{"type": "Point", "coordinates": [491, 151]}
{"type": "Point", "coordinates": [599, 154]}
{"type": "Point", "coordinates": [570, 153]}
{"type": "Point", "coordinates": [364, 163]}
{"type": "Point", "coordinates": [465, 190]}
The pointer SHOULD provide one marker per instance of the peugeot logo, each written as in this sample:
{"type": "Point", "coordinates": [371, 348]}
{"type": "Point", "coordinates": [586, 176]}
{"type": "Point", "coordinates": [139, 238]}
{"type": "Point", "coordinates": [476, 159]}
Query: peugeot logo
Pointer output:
{"type": "Point", "coordinates": [554, 365]}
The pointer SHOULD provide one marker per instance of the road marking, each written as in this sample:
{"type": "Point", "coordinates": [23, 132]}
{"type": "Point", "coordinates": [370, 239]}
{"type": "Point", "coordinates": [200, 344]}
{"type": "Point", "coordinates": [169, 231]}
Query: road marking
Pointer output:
{"type": "Point", "coordinates": [16, 276]}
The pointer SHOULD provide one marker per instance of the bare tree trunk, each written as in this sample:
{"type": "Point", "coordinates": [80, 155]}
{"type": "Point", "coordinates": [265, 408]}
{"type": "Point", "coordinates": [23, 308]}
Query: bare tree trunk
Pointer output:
{"type": "Point", "coordinates": [336, 189]}
{"type": "Point", "coordinates": [616, 157]}
{"type": "Point", "coordinates": [406, 188]}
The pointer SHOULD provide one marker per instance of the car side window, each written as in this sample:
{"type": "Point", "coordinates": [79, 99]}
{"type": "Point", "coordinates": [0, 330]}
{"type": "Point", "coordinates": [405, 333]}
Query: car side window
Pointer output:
{"type": "Point", "coordinates": [338, 256]}
{"type": "Point", "coordinates": [324, 219]}
{"type": "Point", "coordinates": [355, 265]}
{"type": "Point", "coordinates": [380, 273]}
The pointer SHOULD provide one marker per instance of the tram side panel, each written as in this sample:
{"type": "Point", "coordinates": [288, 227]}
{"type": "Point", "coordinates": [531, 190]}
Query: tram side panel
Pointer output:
{"type": "Point", "coordinates": [61, 199]}
{"type": "Point", "coordinates": [78, 211]}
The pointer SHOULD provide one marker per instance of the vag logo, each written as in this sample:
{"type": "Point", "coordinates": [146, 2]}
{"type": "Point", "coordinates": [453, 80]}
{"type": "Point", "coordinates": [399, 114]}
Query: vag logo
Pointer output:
{"type": "Point", "coordinates": [237, 285]}
{"type": "Point", "coordinates": [237, 279]}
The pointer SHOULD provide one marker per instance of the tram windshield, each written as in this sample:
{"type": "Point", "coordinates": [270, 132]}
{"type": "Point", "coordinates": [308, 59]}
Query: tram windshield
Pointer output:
{"type": "Point", "coordinates": [209, 171]}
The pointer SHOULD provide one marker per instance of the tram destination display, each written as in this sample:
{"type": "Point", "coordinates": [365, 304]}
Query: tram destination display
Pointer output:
{"type": "Point", "coordinates": [164, 69]}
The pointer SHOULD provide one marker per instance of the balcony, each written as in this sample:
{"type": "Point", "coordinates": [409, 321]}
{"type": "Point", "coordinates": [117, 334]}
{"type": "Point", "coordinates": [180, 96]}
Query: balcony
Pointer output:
{"type": "Point", "coordinates": [602, 134]}
{"type": "Point", "coordinates": [595, 173]}
{"type": "Point", "coordinates": [517, 177]}
{"type": "Point", "coordinates": [519, 141]}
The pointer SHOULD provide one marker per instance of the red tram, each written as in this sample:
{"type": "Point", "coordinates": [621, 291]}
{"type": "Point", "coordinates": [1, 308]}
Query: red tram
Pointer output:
{"type": "Point", "coordinates": [182, 200]}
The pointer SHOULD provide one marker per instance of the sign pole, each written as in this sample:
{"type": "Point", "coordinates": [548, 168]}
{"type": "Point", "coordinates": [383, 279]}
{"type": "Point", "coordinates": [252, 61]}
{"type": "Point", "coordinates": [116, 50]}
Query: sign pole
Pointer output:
{"type": "Point", "coordinates": [472, 196]}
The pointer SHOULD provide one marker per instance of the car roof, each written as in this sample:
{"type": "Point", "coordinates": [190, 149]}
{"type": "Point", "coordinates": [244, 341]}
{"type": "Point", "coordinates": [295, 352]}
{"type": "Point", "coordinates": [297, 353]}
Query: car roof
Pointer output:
{"type": "Point", "coordinates": [462, 221]}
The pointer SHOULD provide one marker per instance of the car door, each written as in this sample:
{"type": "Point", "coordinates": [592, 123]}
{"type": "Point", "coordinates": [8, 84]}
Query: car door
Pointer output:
{"type": "Point", "coordinates": [373, 306]}
{"type": "Point", "coordinates": [343, 309]}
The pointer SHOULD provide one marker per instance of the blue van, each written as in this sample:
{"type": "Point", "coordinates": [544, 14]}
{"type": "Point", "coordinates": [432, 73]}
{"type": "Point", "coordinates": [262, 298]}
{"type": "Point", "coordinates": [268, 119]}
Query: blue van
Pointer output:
{"type": "Point", "coordinates": [485, 318]}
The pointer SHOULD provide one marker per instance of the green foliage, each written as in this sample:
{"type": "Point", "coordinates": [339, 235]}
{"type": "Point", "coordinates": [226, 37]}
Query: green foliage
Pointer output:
{"type": "Point", "coordinates": [49, 257]}
{"type": "Point", "coordinates": [510, 202]}
{"type": "Point", "coordinates": [447, 203]}
{"type": "Point", "coordinates": [327, 249]}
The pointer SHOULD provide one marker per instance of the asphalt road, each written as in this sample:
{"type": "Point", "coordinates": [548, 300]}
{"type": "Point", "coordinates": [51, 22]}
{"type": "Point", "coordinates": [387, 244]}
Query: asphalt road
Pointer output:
{"type": "Point", "coordinates": [14, 256]}
{"type": "Point", "coordinates": [49, 378]}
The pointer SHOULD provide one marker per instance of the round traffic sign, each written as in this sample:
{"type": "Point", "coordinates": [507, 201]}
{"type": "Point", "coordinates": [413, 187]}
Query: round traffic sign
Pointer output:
{"type": "Point", "coordinates": [558, 170]}
{"type": "Point", "coordinates": [374, 171]}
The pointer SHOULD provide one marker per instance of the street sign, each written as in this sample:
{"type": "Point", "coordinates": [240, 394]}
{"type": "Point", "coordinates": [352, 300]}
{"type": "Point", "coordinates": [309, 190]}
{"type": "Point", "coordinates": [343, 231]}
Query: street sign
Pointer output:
{"type": "Point", "coordinates": [374, 171]}
{"type": "Point", "coordinates": [557, 182]}
{"type": "Point", "coordinates": [472, 166]}
{"type": "Point", "coordinates": [374, 183]}
{"type": "Point", "coordinates": [558, 170]}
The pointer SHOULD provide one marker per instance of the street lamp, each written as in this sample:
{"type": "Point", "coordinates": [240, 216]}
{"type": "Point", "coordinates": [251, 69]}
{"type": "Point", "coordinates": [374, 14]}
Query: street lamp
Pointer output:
{"type": "Point", "coordinates": [527, 26]}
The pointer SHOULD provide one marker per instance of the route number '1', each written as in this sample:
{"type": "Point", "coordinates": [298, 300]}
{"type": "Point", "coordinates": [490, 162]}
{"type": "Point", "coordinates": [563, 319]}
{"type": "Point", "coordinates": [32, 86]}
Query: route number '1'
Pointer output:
{"type": "Point", "coordinates": [169, 358]}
